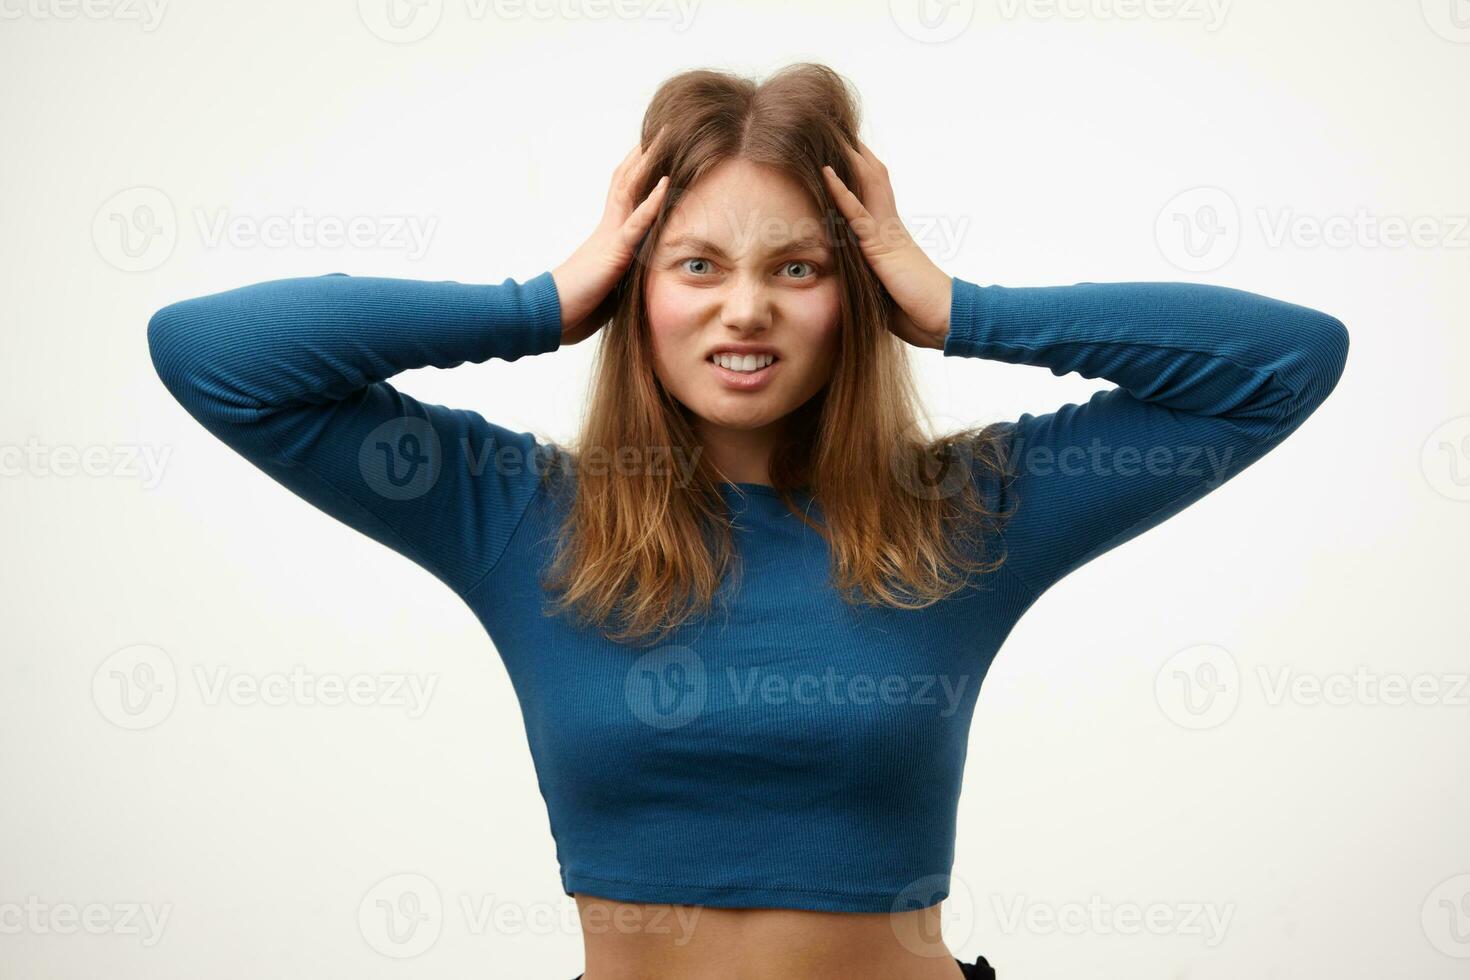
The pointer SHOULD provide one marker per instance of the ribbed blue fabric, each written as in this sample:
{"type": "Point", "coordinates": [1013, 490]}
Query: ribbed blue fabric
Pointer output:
{"type": "Point", "coordinates": [789, 750]}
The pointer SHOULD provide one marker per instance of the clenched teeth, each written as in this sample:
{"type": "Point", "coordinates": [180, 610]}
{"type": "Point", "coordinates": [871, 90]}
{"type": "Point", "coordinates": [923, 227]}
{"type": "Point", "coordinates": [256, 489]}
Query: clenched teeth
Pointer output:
{"type": "Point", "coordinates": [743, 362]}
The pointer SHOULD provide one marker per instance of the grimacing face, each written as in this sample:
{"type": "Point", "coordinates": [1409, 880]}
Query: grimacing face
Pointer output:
{"type": "Point", "coordinates": [743, 299]}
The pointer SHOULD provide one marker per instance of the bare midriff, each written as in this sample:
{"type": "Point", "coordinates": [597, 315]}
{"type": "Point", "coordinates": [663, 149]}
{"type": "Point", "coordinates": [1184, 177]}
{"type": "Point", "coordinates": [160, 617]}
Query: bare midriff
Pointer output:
{"type": "Point", "coordinates": [637, 941]}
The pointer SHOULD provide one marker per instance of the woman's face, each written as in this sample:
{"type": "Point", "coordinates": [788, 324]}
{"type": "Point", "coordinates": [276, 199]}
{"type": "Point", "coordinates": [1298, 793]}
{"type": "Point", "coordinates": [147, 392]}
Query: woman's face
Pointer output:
{"type": "Point", "coordinates": [744, 269]}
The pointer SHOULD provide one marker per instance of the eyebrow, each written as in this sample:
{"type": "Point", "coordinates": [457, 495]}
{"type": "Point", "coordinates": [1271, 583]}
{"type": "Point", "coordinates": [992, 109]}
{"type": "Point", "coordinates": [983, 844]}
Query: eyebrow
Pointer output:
{"type": "Point", "coordinates": [701, 244]}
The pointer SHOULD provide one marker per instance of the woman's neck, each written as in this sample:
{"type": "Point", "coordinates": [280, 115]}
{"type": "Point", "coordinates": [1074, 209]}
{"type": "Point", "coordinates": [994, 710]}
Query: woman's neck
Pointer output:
{"type": "Point", "coordinates": [739, 455]}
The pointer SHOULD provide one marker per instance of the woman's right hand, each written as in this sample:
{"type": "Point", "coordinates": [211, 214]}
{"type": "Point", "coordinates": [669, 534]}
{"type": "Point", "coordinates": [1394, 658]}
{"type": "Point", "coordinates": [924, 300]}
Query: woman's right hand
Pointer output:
{"type": "Point", "coordinates": [585, 280]}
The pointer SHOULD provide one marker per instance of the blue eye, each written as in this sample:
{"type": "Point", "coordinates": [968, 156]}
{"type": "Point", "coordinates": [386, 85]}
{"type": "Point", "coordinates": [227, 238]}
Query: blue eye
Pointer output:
{"type": "Point", "coordinates": [705, 261]}
{"type": "Point", "coordinates": [807, 264]}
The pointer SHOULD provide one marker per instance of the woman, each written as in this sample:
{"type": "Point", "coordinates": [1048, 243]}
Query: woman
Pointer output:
{"type": "Point", "coordinates": [747, 615]}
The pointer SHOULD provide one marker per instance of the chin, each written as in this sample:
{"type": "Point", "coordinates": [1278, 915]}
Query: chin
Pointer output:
{"type": "Point", "coordinates": [756, 412]}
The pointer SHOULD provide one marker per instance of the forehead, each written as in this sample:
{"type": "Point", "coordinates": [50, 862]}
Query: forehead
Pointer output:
{"type": "Point", "coordinates": [745, 205]}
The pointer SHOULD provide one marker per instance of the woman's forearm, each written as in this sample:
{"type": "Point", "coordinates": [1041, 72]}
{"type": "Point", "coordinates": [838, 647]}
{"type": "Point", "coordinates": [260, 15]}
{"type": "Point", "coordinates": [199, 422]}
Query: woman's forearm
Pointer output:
{"type": "Point", "coordinates": [1202, 349]}
{"type": "Point", "coordinates": [244, 353]}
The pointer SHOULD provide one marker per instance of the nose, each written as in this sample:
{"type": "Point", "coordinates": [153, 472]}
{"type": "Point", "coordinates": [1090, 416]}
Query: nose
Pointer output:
{"type": "Point", "coordinates": [747, 305]}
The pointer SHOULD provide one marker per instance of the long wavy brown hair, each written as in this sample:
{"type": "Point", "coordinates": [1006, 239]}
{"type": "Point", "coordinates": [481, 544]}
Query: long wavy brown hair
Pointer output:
{"type": "Point", "coordinates": [645, 547]}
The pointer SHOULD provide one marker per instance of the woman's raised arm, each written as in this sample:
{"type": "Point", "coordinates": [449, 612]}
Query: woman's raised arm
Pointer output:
{"type": "Point", "coordinates": [292, 374]}
{"type": "Point", "coordinates": [1209, 380]}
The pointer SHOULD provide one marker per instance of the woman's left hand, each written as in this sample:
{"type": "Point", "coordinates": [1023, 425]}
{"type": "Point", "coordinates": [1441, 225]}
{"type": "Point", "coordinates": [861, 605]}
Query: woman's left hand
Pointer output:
{"type": "Point", "coordinates": [920, 288]}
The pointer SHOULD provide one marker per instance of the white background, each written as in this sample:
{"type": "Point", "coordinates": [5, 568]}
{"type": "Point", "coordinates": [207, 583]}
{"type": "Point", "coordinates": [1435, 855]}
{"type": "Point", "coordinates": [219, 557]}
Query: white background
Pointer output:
{"type": "Point", "coordinates": [1039, 145]}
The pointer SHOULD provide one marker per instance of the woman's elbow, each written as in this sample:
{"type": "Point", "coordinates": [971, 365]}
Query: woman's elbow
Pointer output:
{"type": "Point", "coordinates": [1321, 351]}
{"type": "Point", "coordinates": [179, 344]}
{"type": "Point", "coordinates": [168, 347]}
{"type": "Point", "coordinates": [1329, 353]}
